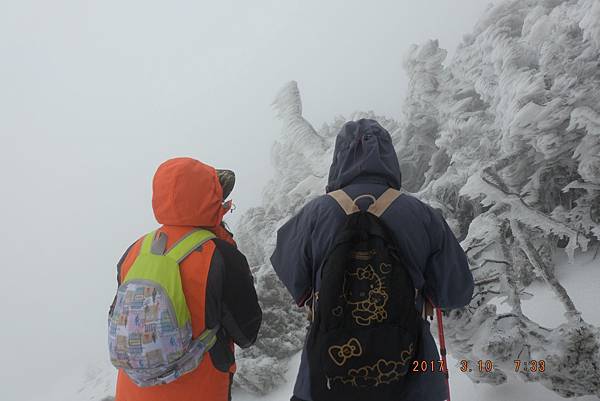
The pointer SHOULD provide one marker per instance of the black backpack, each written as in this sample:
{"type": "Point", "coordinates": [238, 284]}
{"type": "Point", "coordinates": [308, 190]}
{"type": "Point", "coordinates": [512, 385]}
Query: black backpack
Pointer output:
{"type": "Point", "coordinates": [366, 329]}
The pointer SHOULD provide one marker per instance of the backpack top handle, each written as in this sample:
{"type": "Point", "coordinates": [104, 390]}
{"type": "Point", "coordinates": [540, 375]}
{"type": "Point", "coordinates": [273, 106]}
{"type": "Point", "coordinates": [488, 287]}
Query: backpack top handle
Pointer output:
{"type": "Point", "coordinates": [377, 208]}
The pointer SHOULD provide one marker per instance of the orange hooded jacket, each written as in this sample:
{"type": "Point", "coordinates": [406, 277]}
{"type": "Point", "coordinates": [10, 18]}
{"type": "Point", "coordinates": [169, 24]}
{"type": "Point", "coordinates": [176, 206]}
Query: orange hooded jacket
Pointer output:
{"type": "Point", "coordinates": [186, 194]}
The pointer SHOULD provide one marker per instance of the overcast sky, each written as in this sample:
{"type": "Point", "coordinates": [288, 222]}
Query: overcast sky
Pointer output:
{"type": "Point", "coordinates": [94, 95]}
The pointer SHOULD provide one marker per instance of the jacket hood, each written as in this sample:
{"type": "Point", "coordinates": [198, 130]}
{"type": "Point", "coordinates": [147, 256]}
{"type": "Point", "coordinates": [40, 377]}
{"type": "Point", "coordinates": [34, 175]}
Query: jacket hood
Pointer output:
{"type": "Point", "coordinates": [364, 153]}
{"type": "Point", "coordinates": [186, 192]}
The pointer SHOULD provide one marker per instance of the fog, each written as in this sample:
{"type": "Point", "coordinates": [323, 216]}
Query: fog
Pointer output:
{"type": "Point", "coordinates": [95, 95]}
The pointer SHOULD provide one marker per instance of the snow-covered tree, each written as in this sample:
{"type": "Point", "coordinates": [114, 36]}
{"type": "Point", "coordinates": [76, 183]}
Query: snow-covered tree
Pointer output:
{"type": "Point", "coordinates": [536, 71]}
{"type": "Point", "coordinates": [416, 141]}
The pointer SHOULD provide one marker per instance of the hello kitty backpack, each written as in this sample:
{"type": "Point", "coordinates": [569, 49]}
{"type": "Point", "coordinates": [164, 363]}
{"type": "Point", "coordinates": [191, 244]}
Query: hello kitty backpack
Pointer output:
{"type": "Point", "coordinates": [366, 328]}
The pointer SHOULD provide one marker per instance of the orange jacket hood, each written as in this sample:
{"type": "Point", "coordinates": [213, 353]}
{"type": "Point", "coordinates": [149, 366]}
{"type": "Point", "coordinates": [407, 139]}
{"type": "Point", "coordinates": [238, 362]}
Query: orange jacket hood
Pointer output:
{"type": "Point", "coordinates": [187, 192]}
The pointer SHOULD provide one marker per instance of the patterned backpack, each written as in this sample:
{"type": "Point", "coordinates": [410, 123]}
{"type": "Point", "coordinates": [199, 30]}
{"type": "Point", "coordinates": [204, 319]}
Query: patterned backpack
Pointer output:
{"type": "Point", "coordinates": [149, 325]}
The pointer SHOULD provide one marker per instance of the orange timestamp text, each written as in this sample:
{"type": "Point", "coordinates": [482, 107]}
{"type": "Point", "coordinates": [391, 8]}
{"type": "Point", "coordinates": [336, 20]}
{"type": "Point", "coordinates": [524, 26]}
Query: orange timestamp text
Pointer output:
{"type": "Point", "coordinates": [530, 366]}
{"type": "Point", "coordinates": [486, 366]}
{"type": "Point", "coordinates": [428, 366]}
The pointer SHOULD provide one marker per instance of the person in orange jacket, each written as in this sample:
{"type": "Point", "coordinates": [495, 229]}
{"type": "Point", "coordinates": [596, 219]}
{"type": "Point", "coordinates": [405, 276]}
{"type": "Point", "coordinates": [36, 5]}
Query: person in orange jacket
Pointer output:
{"type": "Point", "coordinates": [216, 280]}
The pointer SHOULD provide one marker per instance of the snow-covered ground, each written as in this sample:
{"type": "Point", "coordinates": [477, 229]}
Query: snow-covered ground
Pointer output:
{"type": "Point", "coordinates": [582, 280]}
{"type": "Point", "coordinates": [281, 393]}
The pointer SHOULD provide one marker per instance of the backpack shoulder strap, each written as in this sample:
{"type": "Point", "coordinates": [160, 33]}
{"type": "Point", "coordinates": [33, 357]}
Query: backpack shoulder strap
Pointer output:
{"type": "Point", "coordinates": [146, 247]}
{"type": "Point", "coordinates": [378, 207]}
{"type": "Point", "coordinates": [345, 201]}
{"type": "Point", "coordinates": [188, 243]}
{"type": "Point", "coordinates": [153, 243]}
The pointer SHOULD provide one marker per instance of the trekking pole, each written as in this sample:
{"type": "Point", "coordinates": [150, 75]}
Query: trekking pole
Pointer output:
{"type": "Point", "coordinates": [438, 314]}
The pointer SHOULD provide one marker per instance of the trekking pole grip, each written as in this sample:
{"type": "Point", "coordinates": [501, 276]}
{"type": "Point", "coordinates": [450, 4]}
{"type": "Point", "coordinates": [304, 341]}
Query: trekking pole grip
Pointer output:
{"type": "Point", "coordinates": [443, 352]}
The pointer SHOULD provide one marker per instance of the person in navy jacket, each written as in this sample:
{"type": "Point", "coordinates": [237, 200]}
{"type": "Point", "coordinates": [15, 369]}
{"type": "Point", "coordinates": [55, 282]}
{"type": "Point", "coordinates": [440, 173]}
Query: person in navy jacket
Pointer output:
{"type": "Point", "coordinates": [365, 162]}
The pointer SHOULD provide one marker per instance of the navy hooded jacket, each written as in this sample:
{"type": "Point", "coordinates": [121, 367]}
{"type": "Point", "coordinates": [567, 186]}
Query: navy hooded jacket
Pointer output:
{"type": "Point", "coordinates": [365, 162]}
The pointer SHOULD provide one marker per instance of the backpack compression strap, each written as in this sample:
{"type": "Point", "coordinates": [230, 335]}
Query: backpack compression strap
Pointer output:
{"type": "Point", "coordinates": [377, 208]}
{"type": "Point", "coordinates": [147, 243]}
{"type": "Point", "coordinates": [181, 249]}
